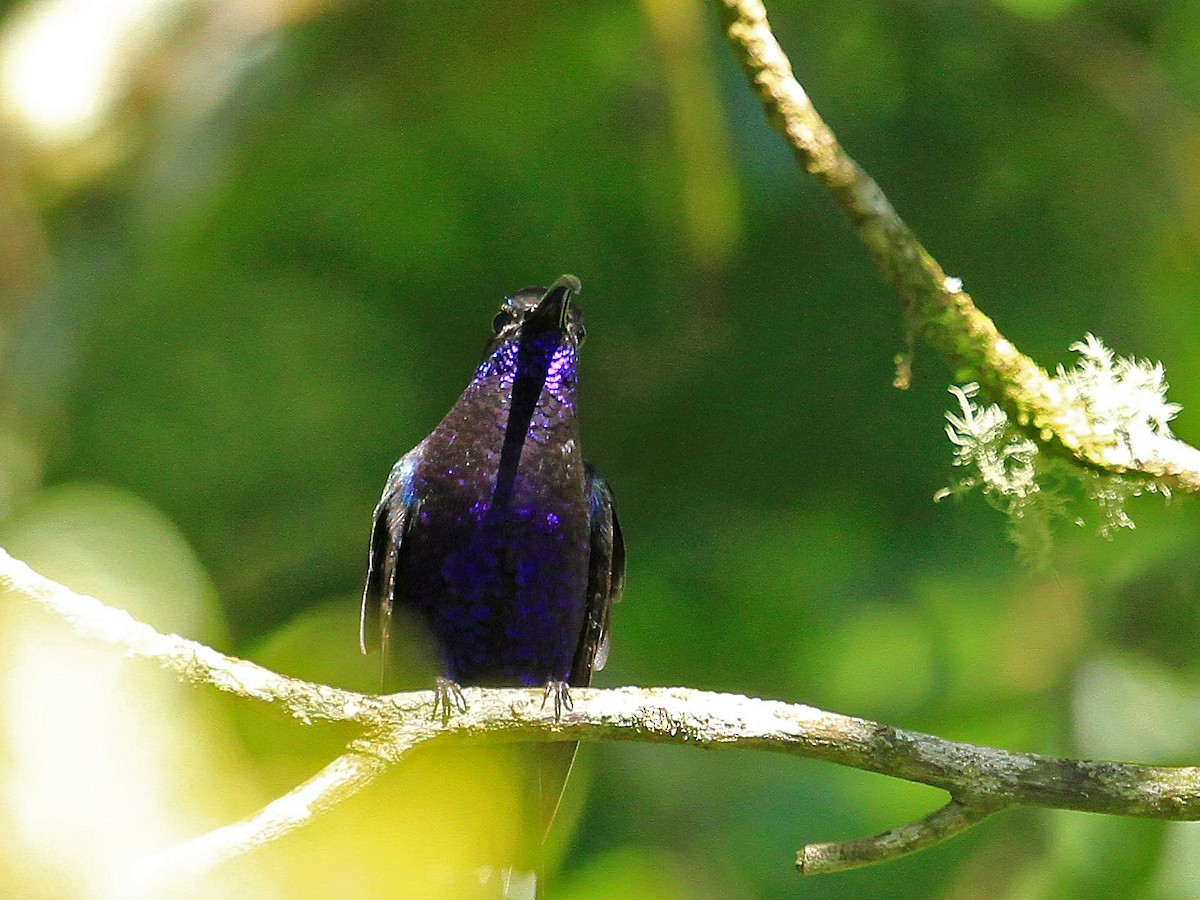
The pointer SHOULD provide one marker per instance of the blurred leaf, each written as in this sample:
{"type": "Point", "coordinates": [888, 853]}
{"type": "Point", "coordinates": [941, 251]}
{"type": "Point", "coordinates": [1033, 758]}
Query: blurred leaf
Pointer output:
{"type": "Point", "coordinates": [103, 541]}
{"type": "Point", "coordinates": [107, 759]}
{"type": "Point", "coordinates": [1130, 709]}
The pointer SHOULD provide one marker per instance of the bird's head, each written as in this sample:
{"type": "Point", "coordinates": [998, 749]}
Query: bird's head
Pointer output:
{"type": "Point", "coordinates": [544, 315]}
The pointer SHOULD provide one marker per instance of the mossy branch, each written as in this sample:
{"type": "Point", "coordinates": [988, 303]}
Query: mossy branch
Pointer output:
{"type": "Point", "coordinates": [979, 780]}
{"type": "Point", "coordinates": [937, 307]}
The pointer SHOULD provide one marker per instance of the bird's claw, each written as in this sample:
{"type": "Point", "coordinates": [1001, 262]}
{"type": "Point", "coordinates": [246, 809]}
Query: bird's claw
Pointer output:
{"type": "Point", "coordinates": [447, 694]}
{"type": "Point", "coordinates": [561, 691]}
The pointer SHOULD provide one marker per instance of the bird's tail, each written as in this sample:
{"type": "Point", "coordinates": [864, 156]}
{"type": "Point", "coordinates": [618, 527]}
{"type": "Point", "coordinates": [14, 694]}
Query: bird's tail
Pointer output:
{"type": "Point", "coordinates": [480, 818]}
{"type": "Point", "coordinates": [509, 883]}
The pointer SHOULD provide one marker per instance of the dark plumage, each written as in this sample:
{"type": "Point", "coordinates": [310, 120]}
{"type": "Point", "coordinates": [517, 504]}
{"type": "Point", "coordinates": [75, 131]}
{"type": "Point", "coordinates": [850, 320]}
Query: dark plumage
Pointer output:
{"type": "Point", "coordinates": [493, 532]}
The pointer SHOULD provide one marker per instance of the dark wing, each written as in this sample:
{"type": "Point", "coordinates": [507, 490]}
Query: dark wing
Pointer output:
{"type": "Point", "coordinates": [393, 516]}
{"type": "Point", "coordinates": [606, 580]}
{"type": "Point", "coordinates": [606, 577]}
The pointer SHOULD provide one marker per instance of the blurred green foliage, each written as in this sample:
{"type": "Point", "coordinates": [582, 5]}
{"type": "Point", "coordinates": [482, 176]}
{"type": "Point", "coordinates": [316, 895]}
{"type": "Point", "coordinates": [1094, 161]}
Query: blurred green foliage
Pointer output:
{"type": "Point", "coordinates": [269, 268]}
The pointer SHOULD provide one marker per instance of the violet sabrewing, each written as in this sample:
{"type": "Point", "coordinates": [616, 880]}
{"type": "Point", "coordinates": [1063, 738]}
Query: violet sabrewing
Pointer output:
{"type": "Point", "coordinates": [496, 537]}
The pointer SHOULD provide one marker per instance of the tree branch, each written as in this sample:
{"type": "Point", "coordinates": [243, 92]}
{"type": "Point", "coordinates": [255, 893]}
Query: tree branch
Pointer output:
{"type": "Point", "coordinates": [937, 307]}
{"type": "Point", "coordinates": [940, 825]}
{"type": "Point", "coordinates": [190, 660]}
{"type": "Point", "coordinates": [362, 763]}
{"type": "Point", "coordinates": [981, 780]}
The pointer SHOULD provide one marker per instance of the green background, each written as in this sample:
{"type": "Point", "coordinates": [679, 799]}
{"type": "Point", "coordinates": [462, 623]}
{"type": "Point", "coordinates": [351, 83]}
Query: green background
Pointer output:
{"type": "Point", "coordinates": [269, 270]}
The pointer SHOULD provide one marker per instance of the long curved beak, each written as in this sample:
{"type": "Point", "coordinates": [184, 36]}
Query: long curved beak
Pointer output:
{"type": "Point", "coordinates": [552, 310]}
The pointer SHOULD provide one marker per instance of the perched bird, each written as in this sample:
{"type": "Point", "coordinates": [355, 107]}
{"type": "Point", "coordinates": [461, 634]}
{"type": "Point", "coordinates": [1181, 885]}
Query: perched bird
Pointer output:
{"type": "Point", "coordinates": [495, 537]}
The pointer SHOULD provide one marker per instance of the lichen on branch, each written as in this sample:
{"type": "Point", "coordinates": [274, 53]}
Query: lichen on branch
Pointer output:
{"type": "Point", "coordinates": [1124, 397]}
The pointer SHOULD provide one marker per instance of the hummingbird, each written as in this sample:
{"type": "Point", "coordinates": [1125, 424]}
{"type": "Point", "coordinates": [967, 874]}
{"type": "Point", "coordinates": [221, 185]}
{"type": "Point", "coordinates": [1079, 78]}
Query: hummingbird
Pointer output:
{"type": "Point", "coordinates": [497, 539]}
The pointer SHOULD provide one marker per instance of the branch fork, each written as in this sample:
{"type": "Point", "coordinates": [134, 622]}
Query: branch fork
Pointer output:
{"type": "Point", "coordinates": [980, 780]}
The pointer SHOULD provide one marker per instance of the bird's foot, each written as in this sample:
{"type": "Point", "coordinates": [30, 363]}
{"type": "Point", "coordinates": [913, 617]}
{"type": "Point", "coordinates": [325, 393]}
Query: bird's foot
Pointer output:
{"type": "Point", "coordinates": [447, 694]}
{"type": "Point", "coordinates": [561, 692]}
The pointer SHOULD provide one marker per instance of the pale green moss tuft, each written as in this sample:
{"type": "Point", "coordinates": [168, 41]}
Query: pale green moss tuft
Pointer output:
{"type": "Point", "coordinates": [1121, 397]}
{"type": "Point", "coordinates": [997, 457]}
{"type": "Point", "coordinates": [994, 454]}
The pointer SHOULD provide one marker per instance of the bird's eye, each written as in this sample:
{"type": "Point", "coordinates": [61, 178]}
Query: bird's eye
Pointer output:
{"type": "Point", "coordinates": [580, 334]}
{"type": "Point", "coordinates": [502, 318]}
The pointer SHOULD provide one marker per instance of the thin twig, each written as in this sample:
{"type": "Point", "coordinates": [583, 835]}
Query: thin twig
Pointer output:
{"type": "Point", "coordinates": [361, 764]}
{"type": "Point", "coordinates": [940, 825]}
{"type": "Point", "coordinates": [937, 307]}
